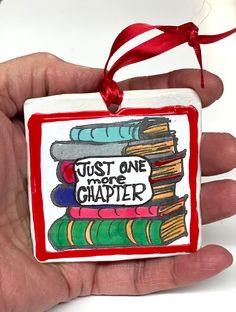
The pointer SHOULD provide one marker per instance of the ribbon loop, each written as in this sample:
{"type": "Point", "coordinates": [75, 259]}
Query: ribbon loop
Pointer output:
{"type": "Point", "coordinates": [171, 37]}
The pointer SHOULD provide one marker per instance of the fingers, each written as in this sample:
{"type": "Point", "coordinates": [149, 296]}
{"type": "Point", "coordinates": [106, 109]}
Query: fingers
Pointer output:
{"type": "Point", "coordinates": [218, 153]}
{"type": "Point", "coordinates": [184, 78]}
{"type": "Point", "coordinates": [153, 275]}
{"type": "Point", "coordinates": [218, 200]}
{"type": "Point", "coordinates": [39, 75]}
{"type": "Point", "coordinates": [43, 74]}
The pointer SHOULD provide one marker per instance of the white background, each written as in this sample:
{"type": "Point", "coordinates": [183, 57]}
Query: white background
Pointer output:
{"type": "Point", "coordinates": [82, 32]}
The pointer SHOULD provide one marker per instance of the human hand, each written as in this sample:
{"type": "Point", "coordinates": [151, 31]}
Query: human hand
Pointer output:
{"type": "Point", "coordinates": [27, 285]}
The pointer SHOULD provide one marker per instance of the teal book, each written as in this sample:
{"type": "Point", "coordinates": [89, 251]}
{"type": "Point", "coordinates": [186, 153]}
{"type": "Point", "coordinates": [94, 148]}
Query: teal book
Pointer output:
{"type": "Point", "coordinates": [132, 130]}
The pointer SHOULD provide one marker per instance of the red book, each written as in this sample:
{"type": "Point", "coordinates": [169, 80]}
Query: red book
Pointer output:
{"type": "Point", "coordinates": [127, 212]}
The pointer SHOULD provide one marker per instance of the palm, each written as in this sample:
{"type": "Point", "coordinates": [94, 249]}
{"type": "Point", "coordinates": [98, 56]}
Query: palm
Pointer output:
{"type": "Point", "coordinates": [14, 220]}
{"type": "Point", "coordinates": [27, 285]}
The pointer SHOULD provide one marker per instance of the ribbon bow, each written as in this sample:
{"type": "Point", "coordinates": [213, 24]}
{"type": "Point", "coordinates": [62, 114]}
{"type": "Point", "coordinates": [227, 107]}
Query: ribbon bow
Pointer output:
{"type": "Point", "coordinates": [171, 37]}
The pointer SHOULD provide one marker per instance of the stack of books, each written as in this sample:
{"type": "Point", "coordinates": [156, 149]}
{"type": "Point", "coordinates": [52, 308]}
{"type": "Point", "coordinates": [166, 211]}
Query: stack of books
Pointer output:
{"type": "Point", "coordinates": [158, 222]}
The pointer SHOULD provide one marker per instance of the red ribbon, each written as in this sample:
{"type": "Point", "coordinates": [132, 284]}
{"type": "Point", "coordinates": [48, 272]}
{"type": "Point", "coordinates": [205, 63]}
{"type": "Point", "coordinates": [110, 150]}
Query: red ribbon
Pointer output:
{"type": "Point", "coordinates": [171, 37]}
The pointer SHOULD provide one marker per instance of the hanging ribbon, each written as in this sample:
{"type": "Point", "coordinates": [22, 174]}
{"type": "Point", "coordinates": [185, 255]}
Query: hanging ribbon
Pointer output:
{"type": "Point", "coordinates": [171, 37]}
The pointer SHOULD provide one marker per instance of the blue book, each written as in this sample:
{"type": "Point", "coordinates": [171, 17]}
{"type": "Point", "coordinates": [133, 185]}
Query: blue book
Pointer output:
{"type": "Point", "coordinates": [64, 196]}
{"type": "Point", "coordinates": [132, 130]}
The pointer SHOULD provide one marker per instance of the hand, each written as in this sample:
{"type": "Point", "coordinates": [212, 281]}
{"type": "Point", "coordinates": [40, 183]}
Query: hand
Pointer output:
{"type": "Point", "coordinates": [27, 285]}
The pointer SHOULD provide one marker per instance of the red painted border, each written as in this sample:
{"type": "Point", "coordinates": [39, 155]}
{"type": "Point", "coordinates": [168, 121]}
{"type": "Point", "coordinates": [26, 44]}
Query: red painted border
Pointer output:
{"type": "Point", "coordinates": [35, 137]}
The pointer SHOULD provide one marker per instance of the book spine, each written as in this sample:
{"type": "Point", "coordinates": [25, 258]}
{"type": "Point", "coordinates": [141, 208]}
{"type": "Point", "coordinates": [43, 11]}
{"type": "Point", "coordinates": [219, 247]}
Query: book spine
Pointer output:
{"type": "Point", "coordinates": [107, 134]}
{"type": "Point", "coordinates": [64, 196]}
{"type": "Point", "coordinates": [63, 150]}
{"type": "Point", "coordinates": [131, 130]}
{"type": "Point", "coordinates": [66, 233]}
{"type": "Point", "coordinates": [114, 213]}
{"type": "Point", "coordinates": [65, 172]}
{"type": "Point", "coordinates": [72, 150]}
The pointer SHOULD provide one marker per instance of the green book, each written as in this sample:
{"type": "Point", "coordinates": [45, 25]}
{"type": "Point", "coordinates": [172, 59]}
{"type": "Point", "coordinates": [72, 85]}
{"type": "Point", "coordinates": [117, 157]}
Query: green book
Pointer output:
{"type": "Point", "coordinates": [66, 233]}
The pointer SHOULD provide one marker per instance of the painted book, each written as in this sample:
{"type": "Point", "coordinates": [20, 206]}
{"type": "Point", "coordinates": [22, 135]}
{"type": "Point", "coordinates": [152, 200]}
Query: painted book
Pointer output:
{"type": "Point", "coordinates": [66, 233]}
{"type": "Point", "coordinates": [133, 130]}
{"type": "Point", "coordinates": [161, 211]}
{"type": "Point", "coordinates": [159, 148]}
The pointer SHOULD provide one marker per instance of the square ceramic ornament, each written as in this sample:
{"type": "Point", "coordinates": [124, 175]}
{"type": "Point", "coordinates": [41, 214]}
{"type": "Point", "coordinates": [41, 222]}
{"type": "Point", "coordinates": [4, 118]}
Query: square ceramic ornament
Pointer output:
{"type": "Point", "coordinates": [112, 186]}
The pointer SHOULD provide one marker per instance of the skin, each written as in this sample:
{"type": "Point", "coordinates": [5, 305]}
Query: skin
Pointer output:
{"type": "Point", "coordinates": [25, 284]}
